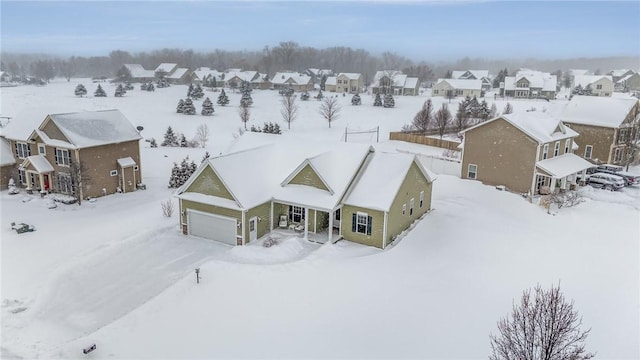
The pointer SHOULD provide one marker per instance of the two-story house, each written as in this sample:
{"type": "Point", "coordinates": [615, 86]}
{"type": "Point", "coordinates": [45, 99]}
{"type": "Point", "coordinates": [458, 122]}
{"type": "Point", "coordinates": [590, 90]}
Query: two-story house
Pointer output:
{"type": "Point", "coordinates": [522, 151]}
{"type": "Point", "coordinates": [599, 85]}
{"type": "Point", "coordinates": [528, 84]}
{"type": "Point", "coordinates": [396, 82]}
{"type": "Point", "coordinates": [85, 154]}
{"type": "Point", "coordinates": [605, 125]}
{"type": "Point", "coordinates": [352, 83]}
{"type": "Point", "coordinates": [619, 74]}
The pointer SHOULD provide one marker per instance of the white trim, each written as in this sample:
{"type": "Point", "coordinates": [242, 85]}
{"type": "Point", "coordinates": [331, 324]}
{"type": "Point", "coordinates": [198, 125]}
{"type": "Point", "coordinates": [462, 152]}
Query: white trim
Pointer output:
{"type": "Point", "coordinates": [244, 216]}
{"type": "Point", "coordinates": [545, 151]}
{"type": "Point", "coordinates": [590, 148]}
{"type": "Point", "coordinates": [299, 169]}
{"type": "Point", "coordinates": [475, 174]}
{"type": "Point", "coordinates": [113, 172]}
{"type": "Point", "coordinates": [384, 230]}
{"type": "Point", "coordinates": [255, 226]}
{"type": "Point", "coordinates": [44, 147]}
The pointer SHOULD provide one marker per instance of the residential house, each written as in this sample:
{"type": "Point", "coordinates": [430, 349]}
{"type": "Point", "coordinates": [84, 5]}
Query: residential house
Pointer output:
{"type": "Point", "coordinates": [202, 75]}
{"type": "Point", "coordinates": [318, 74]}
{"type": "Point", "coordinates": [600, 85]}
{"type": "Point", "coordinates": [455, 87]}
{"type": "Point", "coordinates": [352, 83]}
{"type": "Point", "coordinates": [330, 84]}
{"type": "Point", "coordinates": [324, 191]}
{"type": "Point", "coordinates": [261, 82]}
{"type": "Point", "coordinates": [7, 163]}
{"type": "Point", "coordinates": [396, 82]}
{"type": "Point", "coordinates": [524, 152]}
{"type": "Point", "coordinates": [299, 82]}
{"type": "Point", "coordinates": [100, 146]}
{"type": "Point", "coordinates": [604, 123]}
{"type": "Point", "coordinates": [487, 83]}
{"type": "Point", "coordinates": [528, 84]}
{"type": "Point", "coordinates": [5, 76]}
{"type": "Point", "coordinates": [165, 69]}
{"type": "Point", "coordinates": [628, 83]}
{"type": "Point", "coordinates": [235, 79]}
{"type": "Point", "coordinates": [138, 73]}
{"type": "Point", "coordinates": [180, 76]}
{"type": "Point", "coordinates": [619, 74]}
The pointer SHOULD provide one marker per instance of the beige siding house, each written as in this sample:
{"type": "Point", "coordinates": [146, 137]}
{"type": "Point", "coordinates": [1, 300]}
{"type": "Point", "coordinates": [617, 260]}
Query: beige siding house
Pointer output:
{"type": "Point", "coordinates": [321, 193]}
{"type": "Point", "coordinates": [454, 87]}
{"type": "Point", "coordinates": [396, 82]}
{"type": "Point", "coordinates": [103, 144]}
{"type": "Point", "coordinates": [600, 85]}
{"type": "Point", "coordinates": [7, 163]}
{"type": "Point", "coordinates": [349, 83]}
{"type": "Point", "coordinates": [528, 84]}
{"type": "Point", "coordinates": [523, 152]}
{"type": "Point", "coordinates": [483, 75]}
{"type": "Point", "coordinates": [604, 124]}
{"type": "Point", "coordinates": [299, 82]}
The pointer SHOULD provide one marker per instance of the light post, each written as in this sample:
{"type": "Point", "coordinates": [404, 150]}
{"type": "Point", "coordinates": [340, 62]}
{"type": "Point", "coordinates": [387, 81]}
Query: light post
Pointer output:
{"type": "Point", "coordinates": [198, 275]}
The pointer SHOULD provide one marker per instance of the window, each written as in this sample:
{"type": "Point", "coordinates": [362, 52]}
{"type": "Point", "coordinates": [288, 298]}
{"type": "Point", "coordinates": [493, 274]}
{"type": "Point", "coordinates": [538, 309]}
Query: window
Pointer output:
{"type": "Point", "coordinates": [567, 146]}
{"type": "Point", "coordinates": [587, 151]}
{"type": "Point", "coordinates": [34, 181]}
{"type": "Point", "coordinates": [113, 173]}
{"type": "Point", "coordinates": [617, 157]}
{"type": "Point", "coordinates": [42, 149]}
{"type": "Point", "coordinates": [599, 87]}
{"type": "Point", "coordinates": [22, 177]}
{"type": "Point", "coordinates": [421, 198]}
{"type": "Point", "coordinates": [22, 150]}
{"type": "Point", "coordinates": [337, 217]}
{"type": "Point", "coordinates": [361, 223]}
{"type": "Point", "coordinates": [458, 91]}
{"type": "Point", "coordinates": [622, 136]}
{"type": "Point", "coordinates": [545, 151]}
{"type": "Point", "coordinates": [435, 92]}
{"type": "Point", "coordinates": [296, 214]}
{"type": "Point", "coordinates": [63, 157]}
{"type": "Point", "coordinates": [473, 171]}
{"type": "Point", "coordinates": [63, 183]}
{"type": "Point", "coordinates": [411, 203]}
{"type": "Point", "coordinates": [556, 148]}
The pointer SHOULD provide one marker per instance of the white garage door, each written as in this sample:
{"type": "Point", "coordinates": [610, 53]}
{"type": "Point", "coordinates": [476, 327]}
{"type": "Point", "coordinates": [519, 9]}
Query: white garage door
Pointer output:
{"type": "Point", "coordinates": [214, 227]}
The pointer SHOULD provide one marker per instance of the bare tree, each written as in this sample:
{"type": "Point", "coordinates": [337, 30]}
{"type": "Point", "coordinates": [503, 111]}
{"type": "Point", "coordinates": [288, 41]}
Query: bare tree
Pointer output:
{"type": "Point", "coordinates": [167, 207]}
{"type": "Point", "coordinates": [542, 327]}
{"type": "Point", "coordinates": [79, 178]}
{"type": "Point", "coordinates": [245, 114]}
{"type": "Point", "coordinates": [330, 109]}
{"type": "Point", "coordinates": [202, 134]}
{"type": "Point", "coordinates": [442, 119]}
{"type": "Point", "coordinates": [67, 68]}
{"type": "Point", "coordinates": [422, 119]}
{"type": "Point", "coordinates": [508, 109]}
{"type": "Point", "coordinates": [630, 136]}
{"type": "Point", "coordinates": [289, 109]}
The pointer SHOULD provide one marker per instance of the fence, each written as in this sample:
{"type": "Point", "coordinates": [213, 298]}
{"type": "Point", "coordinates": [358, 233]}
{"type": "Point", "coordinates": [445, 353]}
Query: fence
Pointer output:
{"type": "Point", "coordinates": [424, 140]}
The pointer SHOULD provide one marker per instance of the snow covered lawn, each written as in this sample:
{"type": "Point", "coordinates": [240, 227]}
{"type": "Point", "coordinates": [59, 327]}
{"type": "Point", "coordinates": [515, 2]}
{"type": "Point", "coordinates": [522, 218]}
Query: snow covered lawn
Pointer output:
{"type": "Point", "coordinates": [118, 273]}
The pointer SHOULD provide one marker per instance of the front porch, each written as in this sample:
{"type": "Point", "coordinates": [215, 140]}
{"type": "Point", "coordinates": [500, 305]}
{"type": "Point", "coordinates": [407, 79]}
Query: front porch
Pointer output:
{"type": "Point", "coordinates": [320, 237]}
{"type": "Point", "coordinates": [309, 223]}
{"type": "Point", "coordinates": [560, 173]}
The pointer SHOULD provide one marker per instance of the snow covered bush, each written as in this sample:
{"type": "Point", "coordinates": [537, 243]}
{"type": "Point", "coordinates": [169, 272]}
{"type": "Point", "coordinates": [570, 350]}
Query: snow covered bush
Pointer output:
{"type": "Point", "coordinates": [188, 108]}
{"type": "Point", "coordinates": [13, 190]}
{"type": "Point", "coordinates": [566, 199]}
{"type": "Point", "coordinates": [150, 87]}
{"type": "Point", "coordinates": [197, 92]}
{"type": "Point", "coordinates": [356, 100]}
{"type": "Point", "coordinates": [120, 91]}
{"type": "Point", "coordinates": [153, 143]}
{"type": "Point", "coordinates": [304, 96]}
{"type": "Point", "coordinates": [377, 101]}
{"type": "Point", "coordinates": [269, 242]}
{"type": "Point", "coordinates": [180, 107]}
{"type": "Point", "coordinates": [389, 102]}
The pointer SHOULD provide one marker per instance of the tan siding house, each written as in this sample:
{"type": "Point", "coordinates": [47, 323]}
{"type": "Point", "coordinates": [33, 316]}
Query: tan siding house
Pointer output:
{"type": "Point", "coordinates": [457, 87]}
{"type": "Point", "coordinates": [7, 163]}
{"type": "Point", "coordinates": [98, 150]}
{"type": "Point", "coordinates": [523, 152]}
{"type": "Point", "coordinates": [322, 193]}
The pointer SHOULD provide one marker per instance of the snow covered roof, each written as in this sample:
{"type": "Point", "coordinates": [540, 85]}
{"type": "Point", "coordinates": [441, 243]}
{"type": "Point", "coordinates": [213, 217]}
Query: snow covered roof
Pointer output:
{"type": "Point", "coordinates": [137, 71]}
{"type": "Point", "coordinates": [282, 77]}
{"type": "Point", "coordinates": [578, 72]}
{"type": "Point", "coordinates": [22, 124]}
{"type": "Point", "coordinates": [584, 80]}
{"type": "Point", "coordinates": [537, 79]}
{"type": "Point", "coordinates": [39, 162]}
{"type": "Point", "coordinates": [242, 75]}
{"type": "Point", "coordinates": [179, 73]}
{"type": "Point", "coordinates": [126, 162]}
{"type": "Point", "coordinates": [397, 77]}
{"type": "Point", "coordinates": [411, 83]}
{"type": "Point", "coordinates": [597, 110]}
{"type": "Point", "coordinates": [618, 72]}
{"type": "Point", "coordinates": [625, 78]}
{"type": "Point", "coordinates": [6, 153]}
{"type": "Point", "coordinates": [462, 83]}
{"type": "Point", "coordinates": [539, 125]}
{"type": "Point", "coordinates": [465, 74]}
{"type": "Point", "coordinates": [202, 72]}
{"type": "Point", "coordinates": [320, 72]}
{"type": "Point", "coordinates": [351, 76]}
{"type": "Point", "coordinates": [331, 80]}
{"type": "Point", "coordinates": [380, 181]}
{"type": "Point", "coordinates": [209, 200]}
{"type": "Point", "coordinates": [94, 128]}
{"type": "Point", "coordinates": [563, 165]}
{"type": "Point", "coordinates": [166, 67]}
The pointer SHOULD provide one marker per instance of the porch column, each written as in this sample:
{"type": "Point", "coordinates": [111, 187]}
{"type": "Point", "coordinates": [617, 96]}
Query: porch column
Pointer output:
{"type": "Point", "coordinates": [306, 223]}
{"type": "Point", "coordinates": [584, 177]}
{"type": "Point", "coordinates": [41, 178]}
{"type": "Point", "coordinates": [330, 225]}
{"type": "Point", "coordinates": [552, 186]}
{"type": "Point", "coordinates": [563, 183]}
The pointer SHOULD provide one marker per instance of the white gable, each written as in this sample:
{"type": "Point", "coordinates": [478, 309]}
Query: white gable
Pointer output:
{"type": "Point", "coordinates": [166, 67]}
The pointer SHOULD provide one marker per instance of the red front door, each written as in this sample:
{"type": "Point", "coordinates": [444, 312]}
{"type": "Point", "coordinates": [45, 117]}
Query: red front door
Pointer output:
{"type": "Point", "coordinates": [46, 182]}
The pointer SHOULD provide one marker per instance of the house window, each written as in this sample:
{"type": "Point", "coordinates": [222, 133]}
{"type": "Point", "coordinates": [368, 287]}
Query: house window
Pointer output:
{"type": "Point", "coordinates": [556, 148]}
{"type": "Point", "coordinates": [617, 157]}
{"type": "Point", "coordinates": [599, 87]}
{"type": "Point", "coordinates": [473, 171]}
{"type": "Point", "coordinates": [587, 151]}
{"type": "Point", "coordinates": [421, 198]}
{"type": "Point", "coordinates": [404, 209]}
{"type": "Point", "coordinates": [63, 183]}
{"type": "Point", "coordinates": [113, 173]}
{"type": "Point", "coordinates": [545, 151]}
{"type": "Point", "coordinates": [22, 177]}
{"type": "Point", "coordinates": [42, 149]}
{"type": "Point", "coordinates": [411, 203]}
{"type": "Point", "coordinates": [22, 150]}
{"type": "Point", "coordinates": [458, 91]}
{"type": "Point", "coordinates": [63, 157]}
{"type": "Point", "coordinates": [567, 146]}
{"type": "Point", "coordinates": [34, 182]}
{"type": "Point", "coordinates": [435, 92]}
{"type": "Point", "coordinates": [622, 137]}
{"type": "Point", "coordinates": [296, 214]}
{"type": "Point", "coordinates": [361, 223]}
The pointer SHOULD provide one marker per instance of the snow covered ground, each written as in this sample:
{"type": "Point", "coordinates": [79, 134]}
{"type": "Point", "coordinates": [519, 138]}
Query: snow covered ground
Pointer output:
{"type": "Point", "coordinates": [118, 273]}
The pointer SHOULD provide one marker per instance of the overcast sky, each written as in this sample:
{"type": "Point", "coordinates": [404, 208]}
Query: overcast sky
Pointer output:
{"type": "Point", "coordinates": [421, 30]}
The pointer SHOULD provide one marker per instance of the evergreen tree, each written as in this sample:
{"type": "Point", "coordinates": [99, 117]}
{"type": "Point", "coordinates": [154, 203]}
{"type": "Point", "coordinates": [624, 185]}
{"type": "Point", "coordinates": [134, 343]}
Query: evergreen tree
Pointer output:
{"type": "Point", "coordinates": [120, 91]}
{"type": "Point", "coordinates": [484, 112]}
{"type": "Point", "coordinates": [356, 100]}
{"type": "Point", "coordinates": [150, 87]}
{"type": "Point", "coordinates": [183, 141]}
{"type": "Point", "coordinates": [255, 129]}
{"type": "Point", "coordinates": [99, 92]}
{"type": "Point", "coordinates": [223, 99]}
{"type": "Point", "coordinates": [473, 108]}
{"type": "Point", "coordinates": [170, 138]}
{"type": "Point", "coordinates": [188, 108]}
{"type": "Point", "coordinates": [174, 179]}
{"type": "Point", "coordinates": [197, 93]}
{"type": "Point", "coordinates": [143, 86]}
{"type": "Point", "coordinates": [80, 90]}
{"type": "Point", "coordinates": [304, 96]}
{"type": "Point", "coordinates": [578, 90]}
{"type": "Point", "coordinates": [461, 118]}
{"type": "Point", "coordinates": [180, 107]}
{"type": "Point", "coordinates": [153, 143]}
{"type": "Point", "coordinates": [246, 100]}
{"type": "Point", "coordinates": [323, 81]}
{"type": "Point", "coordinates": [207, 107]}
{"type": "Point", "coordinates": [205, 157]}
{"type": "Point", "coordinates": [276, 129]}
{"type": "Point", "coordinates": [389, 102]}
{"type": "Point", "coordinates": [190, 90]}
{"type": "Point", "coordinates": [588, 90]}
{"type": "Point", "coordinates": [377, 101]}
{"type": "Point", "coordinates": [245, 88]}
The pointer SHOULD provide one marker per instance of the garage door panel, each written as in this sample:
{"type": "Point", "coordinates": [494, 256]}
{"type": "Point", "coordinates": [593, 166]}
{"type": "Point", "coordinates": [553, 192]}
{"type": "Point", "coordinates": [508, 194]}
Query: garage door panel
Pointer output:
{"type": "Point", "coordinates": [218, 228]}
